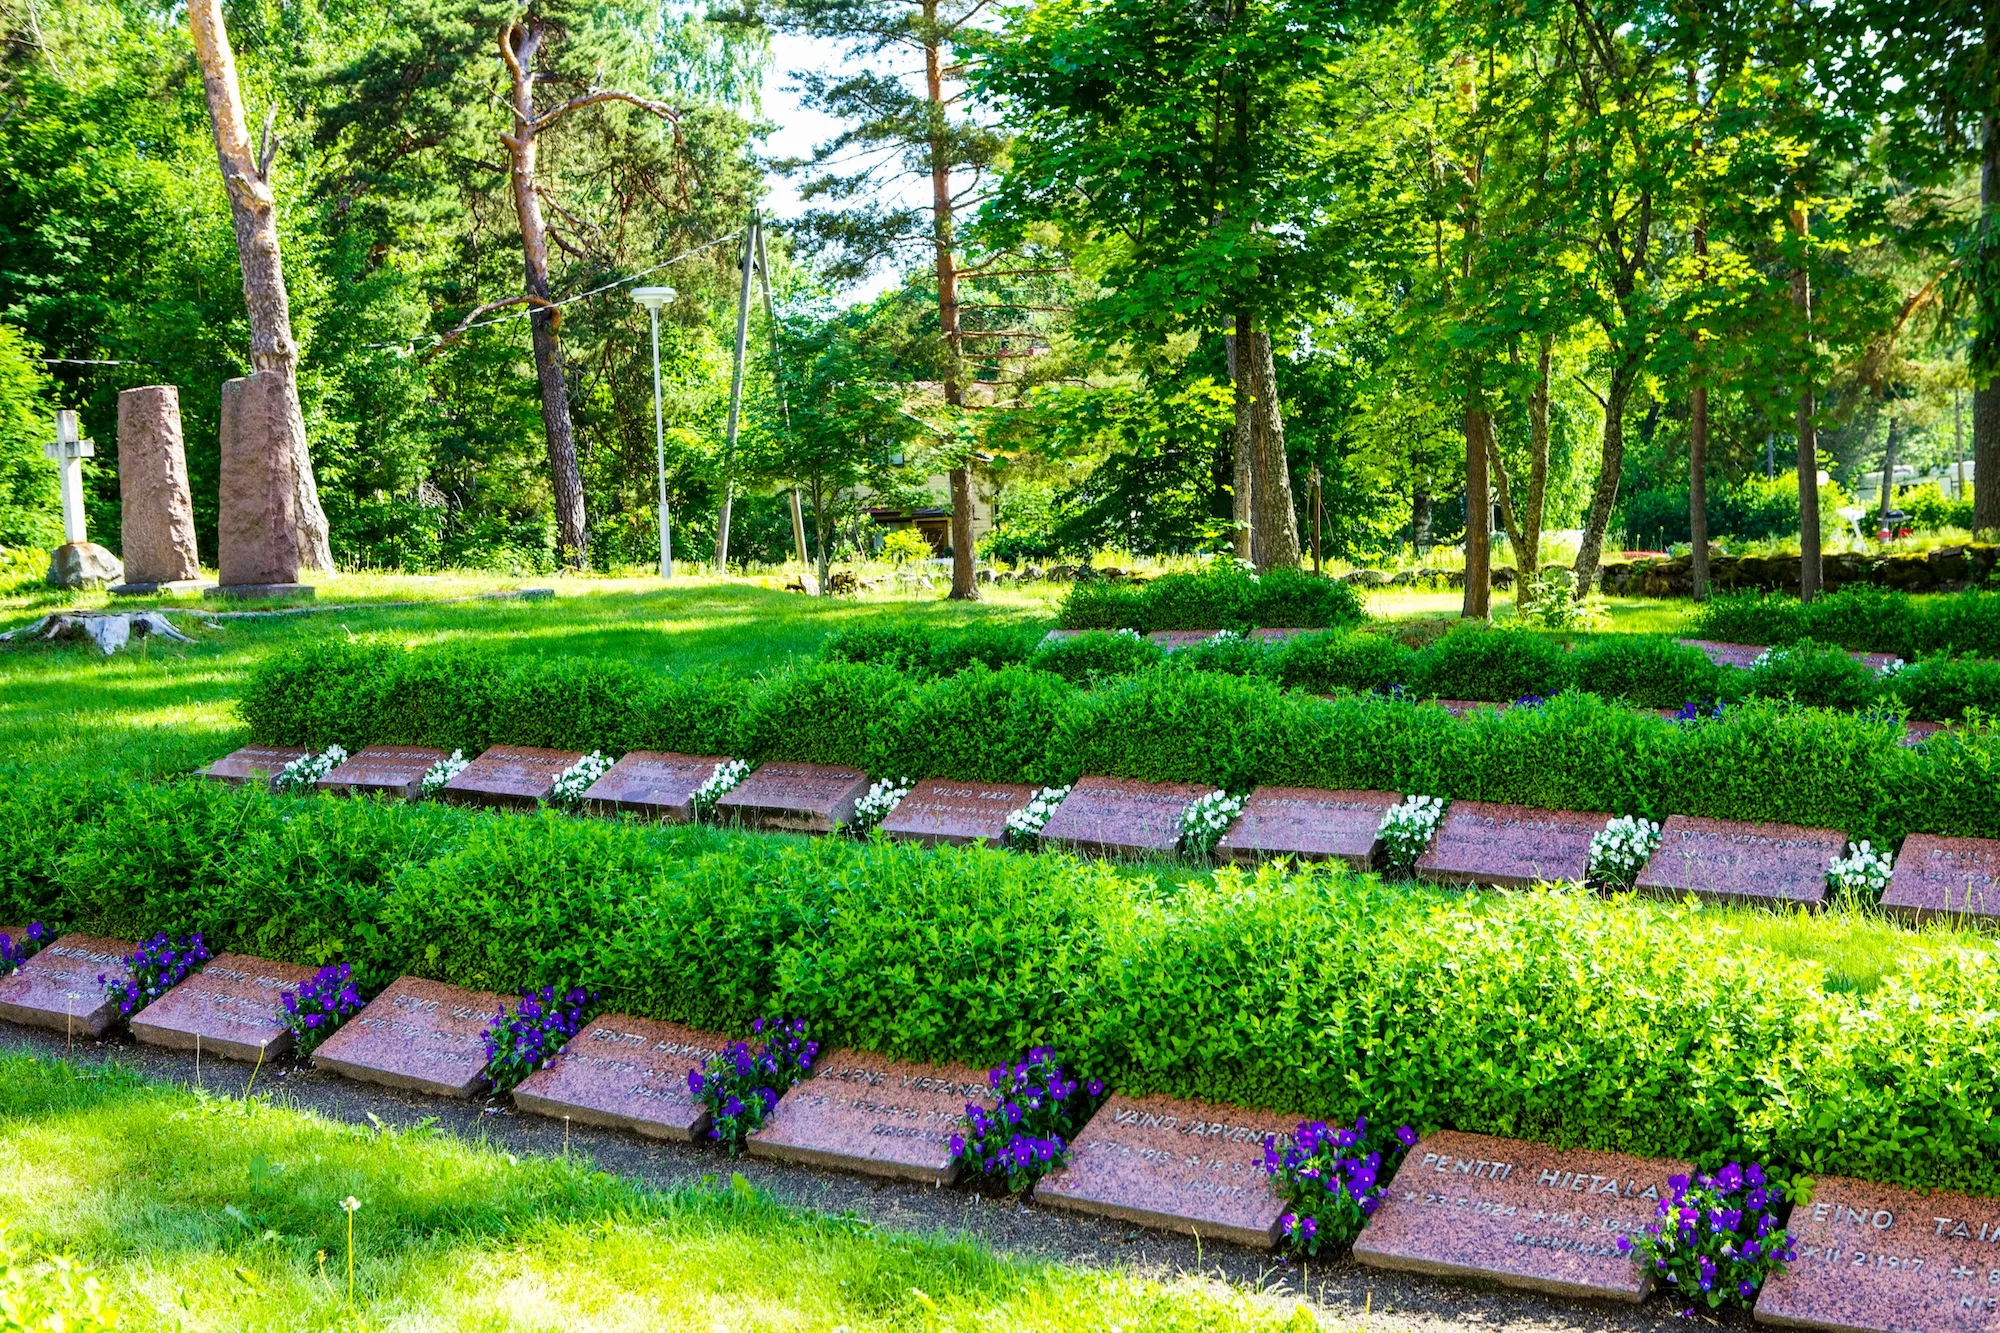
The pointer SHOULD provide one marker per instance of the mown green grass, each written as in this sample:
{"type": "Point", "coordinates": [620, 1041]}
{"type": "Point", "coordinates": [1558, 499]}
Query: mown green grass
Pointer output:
{"type": "Point", "coordinates": [207, 1213]}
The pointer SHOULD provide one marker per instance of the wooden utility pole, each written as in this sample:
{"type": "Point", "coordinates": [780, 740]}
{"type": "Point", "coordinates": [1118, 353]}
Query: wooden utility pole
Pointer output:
{"type": "Point", "coordinates": [735, 398]}
{"type": "Point", "coordinates": [253, 209]}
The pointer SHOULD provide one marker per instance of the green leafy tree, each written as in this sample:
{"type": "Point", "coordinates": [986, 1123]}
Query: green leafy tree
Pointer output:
{"type": "Point", "coordinates": [30, 505]}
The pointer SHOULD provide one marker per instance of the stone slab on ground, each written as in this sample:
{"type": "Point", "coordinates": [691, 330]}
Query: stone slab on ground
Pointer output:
{"type": "Point", "coordinates": [1171, 640]}
{"type": "Point", "coordinates": [795, 798]}
{"type": "Point", "coordinates": [943, 810]}
{"type": "Point", "coordinates": [1512, 846]}
{"type": "Point", "coordinates": [253, 763]}
{"type": "Point", "coordinates": [1745, 655]}
{"type": "Point", "coordinates": [231, 1006]}
{"type": "Point", "coordinates": [1309, 823]}
{"type": "Point", "coordinates": [255, 592]}
{"type": "Point", "coordinates": [1937, 876]}
{"type": "Point", "coordinates": [880, 1117]}
{"type": "Point", "coordinates": [385, 770]}
{"type": "Point", "coordinates": [1466, 707]}
{"type": "Point", "coordinates": [1523, 1214]}
{"type": "Point", "coordinates": [626, 1073]}
{"type": "Point", "coordinates": [58, 988]}
{"type": "Point", "coordinates": [1187, 1166]}
{"type": "Point", "coordinates": [1734, 861]}
{"type": "Point", "coordinates": [1112, 817]}
{"type": "Point", "coordinates": [418, 1034]}
{"type": "Point", "coordinates": [509, 775]}
{"type": "Point", "coordinates": [1877, 1258]}
{"type": "Point", "coordinates": [654, 784]}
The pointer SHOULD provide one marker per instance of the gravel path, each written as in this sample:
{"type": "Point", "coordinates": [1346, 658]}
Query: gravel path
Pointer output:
{"type": "Point", "coordinates": [1349, 1295]}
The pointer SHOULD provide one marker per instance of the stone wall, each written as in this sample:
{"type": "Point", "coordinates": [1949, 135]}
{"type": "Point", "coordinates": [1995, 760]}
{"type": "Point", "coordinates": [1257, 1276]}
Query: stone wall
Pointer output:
{"type": "Point", "coordinates": [1947, 569]}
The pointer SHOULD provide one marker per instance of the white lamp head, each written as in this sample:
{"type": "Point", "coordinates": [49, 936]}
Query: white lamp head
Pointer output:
{"type": "Point", "coordinates": [652, 297]}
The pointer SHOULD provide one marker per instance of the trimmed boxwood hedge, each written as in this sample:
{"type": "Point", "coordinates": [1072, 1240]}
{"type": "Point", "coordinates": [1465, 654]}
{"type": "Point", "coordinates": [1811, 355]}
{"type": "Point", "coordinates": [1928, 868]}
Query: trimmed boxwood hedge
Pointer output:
{"type": "Point", "coordinates": [1863, 618]}
{"type": "Point", "coordinates": [1218, 597]}
{"type": "Point", "coordinates": [1627, 1025]}
{"type": "Point", "coordinates": [1764, 760]}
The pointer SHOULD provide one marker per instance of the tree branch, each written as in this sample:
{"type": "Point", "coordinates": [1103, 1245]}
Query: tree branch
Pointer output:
{"type": "Point", "coordinates": [490, 306]}
{"type": "Point", "coordinates": [667, 113]}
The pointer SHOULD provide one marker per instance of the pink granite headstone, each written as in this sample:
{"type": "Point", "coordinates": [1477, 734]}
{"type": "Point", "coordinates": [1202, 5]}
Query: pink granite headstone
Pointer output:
{"type": "Point", "coordinates": [944, 810]}
{"type": "Point", "coordinates": [865, 1113]}
{"type": "Point", "coordinates": [509, 775]}
{"type": "Point", "coordinates": [253, 763]}
{"type": "Point", "coordinates": [421, 1035]}
{"type": "Point", "coordinates": [156, 538]}
{"type": "Point", "coordinates": [1732, 861]}
{"type": "Point", "coordinates": [653, 784]}
{"type": "Point", "coordinates": [230, 1008]}
{"type": "Point", "coordinates": [1113, 817]}
{"type": "Point", "coordinates": [58, 988]}
{"type": "Point", "coordinates": [625, 1073]}
{"type": "Point", "coordinates": [1513, 846]}
{"type": "Point", "coordinates": [383, 770]}
{"type": "Point", "coordinates": [1310, 824]}
{"type": "Point", "coordinates": [795, 798]}
{"type": "Point", "coordinates": [1937, 876]}
{"type": "Point", "coordinates": [257, 538]}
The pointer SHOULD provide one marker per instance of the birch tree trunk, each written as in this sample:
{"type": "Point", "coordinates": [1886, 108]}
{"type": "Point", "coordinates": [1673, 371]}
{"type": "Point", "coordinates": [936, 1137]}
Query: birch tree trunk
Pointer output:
{"type": "Point", "coordinates": [253, 209]}
{"type": "Point", "coordinates": [1591, 549]}
{"type": "Point", "coordinates": [1242, 443]}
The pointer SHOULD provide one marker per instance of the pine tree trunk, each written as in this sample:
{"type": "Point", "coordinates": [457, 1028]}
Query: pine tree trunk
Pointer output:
{"type": "Point", "coordinates": [253, 210]}
{"type": "Point", "coordinates": [1609, 468]}
{"type": "Point", "coordinates": [1807, 430]}
{"type": "Point", "coordinates": [1276, 522]}
{"type": "Point", "coordinates": [943, 239]}
{"type": "Point", "coordinates": [518, 46]}
{"type": "Point", "coordinates": [1986, 344]}
{"type": "Point", "coordinates": [1478, 604]}
{"type": "Point", "coordinates": [1242, 443]}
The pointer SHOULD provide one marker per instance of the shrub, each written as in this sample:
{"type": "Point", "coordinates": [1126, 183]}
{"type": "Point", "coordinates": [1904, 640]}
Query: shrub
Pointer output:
{"type": "Point", "coordinates": [1942, 687]}
{"type": "Point", "coordinates": [1750, 618]}
{"type": "Point", "coordinates": [1341, 660]}
{"type": "Point", "coordinates": [1475, 662]}
{"type": "Point", "coordinates": [1863, 618]}
{"type": "Point", "coordinates": [820, 713]}
{"type": "Point", "coordinates": [1647, 671]}
{"type": "Point", "coordinates": [1095, 654]}
{"type": "Point", "coordinates": [1812, 673]}
{"type": "Point", "coordinates": [892, 644]}
{"type": "Point", "coordinates": [1293, 599]}
{"type": "Point", "coordinates": [994, 646]}
{"type": "Point", "coordinates": [1226, 651]}
{"type": "Point", "coordinates": [1169, 726]}
{"type": "Point", "coordinates": [1099, 604]}
{"type": "Point", "coordinates": [976, 726]}
{"type": "Point", "coordinates": [1220, 596]}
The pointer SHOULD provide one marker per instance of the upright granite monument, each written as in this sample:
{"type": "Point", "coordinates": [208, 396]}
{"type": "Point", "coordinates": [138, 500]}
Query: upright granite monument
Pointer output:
{"type": "Point", "coordinates": [257, 528]}
{"type": "Point", "coordinates": [158, 530]}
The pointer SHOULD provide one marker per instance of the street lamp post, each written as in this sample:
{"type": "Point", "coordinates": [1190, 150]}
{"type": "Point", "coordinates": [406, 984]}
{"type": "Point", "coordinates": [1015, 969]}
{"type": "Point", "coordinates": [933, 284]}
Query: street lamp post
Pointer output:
{"type": "Point", "coordinates": [653, 298]}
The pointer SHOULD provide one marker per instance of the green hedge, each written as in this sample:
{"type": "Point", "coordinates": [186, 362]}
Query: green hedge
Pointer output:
{"type": "Point", "coordinates": [1626, 1025]}
{"type": "Point", "coordinates": [1763, 760]}
{"type": "Point", "coordinates": [1218, 597]}
{"type": "Point", "coordinates": [1863, 618]}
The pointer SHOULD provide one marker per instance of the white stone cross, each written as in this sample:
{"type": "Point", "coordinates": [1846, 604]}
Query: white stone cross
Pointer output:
{"type": "Point", "coordinates": [69, 453]}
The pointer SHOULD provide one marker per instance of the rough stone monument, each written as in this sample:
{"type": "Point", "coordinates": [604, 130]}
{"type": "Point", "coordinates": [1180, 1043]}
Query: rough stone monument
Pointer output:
{"type": "Point", "coordinates": [257, 526]}
{"type": "Point", "coordinates": [78, 562]}
{"type": "Point", "coordinates": [158, 530]}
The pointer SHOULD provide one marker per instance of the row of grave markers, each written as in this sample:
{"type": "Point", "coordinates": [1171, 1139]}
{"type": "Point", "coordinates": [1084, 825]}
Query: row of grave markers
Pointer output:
{"type": "Point", "coordinates": [1870, 1257]}
{"type": "Point", "coordinates": [1475, 843]}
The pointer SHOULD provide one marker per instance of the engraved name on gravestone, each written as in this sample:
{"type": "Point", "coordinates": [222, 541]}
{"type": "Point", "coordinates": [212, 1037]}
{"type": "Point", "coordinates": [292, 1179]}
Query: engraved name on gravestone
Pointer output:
{"type": "Point", "coordinates": [1179, 1165]}
{"type": "Point", "coordinates": [1945, 877]}
{"type": "Point", "coordinates": [656, 784]}
{"type": "Point", "coordinates": [1171, 640]}
{"type": "Point", "coordinates": [626, 1073]}
{"type": "Point", "coordinates": [252, 763]}
{"type": "Point", "coordinates": [517, 775]}
{"type": "Point", "coordinates": [417, 1034]}
{"type": "Point", "coordinates": [1740, 862]}
{"type": "Point", "coordinates": [795, 798]}
{"type": "Point", "coordinates": [1513, 846]}
{"type": "Point", "coordinates": [1876, 1258]}
{"type": "Point", "coordinates": [1120, 817]}
{"type": "Point", "coordinates": [1525, 1214]}
{"type": "Point", "coordinates": [1310, 824]}
{"type": "Point", "coordinates": [231, 1007]}
{"type": "Point", "coordinates": [391, 770]}
{"type": "Point", "coordinates": [58, 988]}
{"type": "Point", "coordinates": [861, 1112]}
{"type": "Point", "coordinates": [944, 810]}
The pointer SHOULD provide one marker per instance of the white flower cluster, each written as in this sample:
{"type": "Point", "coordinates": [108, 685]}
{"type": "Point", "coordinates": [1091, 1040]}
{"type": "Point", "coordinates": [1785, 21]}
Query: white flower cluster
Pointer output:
{"type": "Point", "coordinates": [880, 802]}
{"type": "Point", "coordinates": [1130, 633]}
{"type": "Point", "coordinates": [728, 775]}
{"type": "Point", "coordinates": [1225, 636]}
{"type": "Point", "coordinates": [1621, 848]}
{"type": "Point", "coordinates": [443, 771]}
{"type": "Point", "coordinates": [1862, 873]}
{"type": "Point", "coordinates": [1205, 821]}
{"type": "Point", "coordinates": [1895, 666]}
{"type": "Point", "coordinates": [1025, 824]}
{"type": "Point", "coordinates": [303, 772]}
{"type": "Point", "coordinates": [567, 793]}
{"type": "Point", "coordinates": [1407, 827]}
{"type": "Point", "coordinates": [1767, 657]}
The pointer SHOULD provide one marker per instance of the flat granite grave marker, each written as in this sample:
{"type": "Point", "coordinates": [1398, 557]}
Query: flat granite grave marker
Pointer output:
{"type": "Point", "coordinates": [390, 770]}
{"type": "Point", "coordinates": [231, 1005]}
{"type": "Point", "coordinates": [1183, 1166]}
{"type": "Point", "coordinates": [881, 1117]}
{"type": "Point", "coordinates": [1310, 824]}
{"type": "Point", "coordinates": [253, 763]}
{"type": "Point", "coordinates": [1513, 846]}
{"type": "Point", "coordinates": [1737, 862]}
{"type": "Point", "coordinates": [1523, 1214]}
{"type": "Point", "coordinates": [626, 1073]}
{"type": "Point", "coordinates": [513, 775]}
{"type": "Point", "coordinates": [795, 798]}
{"type": "Point", "coordinates": [58, 988]}
{"type": "Point", "coordinates": [417, 1034]}
{"type": "Point", "coordinates": [942, 810]}
{"type": "Point", "coordinates": [1113, 817]}
{"type": "Point", "coordinates": [1172, 640]}
{"type": "Point", "coordinates": [655, 784]}
{"type": "Point", "coordinates": [1872, 1257]}
{"type": "Point", "coordinates": [1937, 876]}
